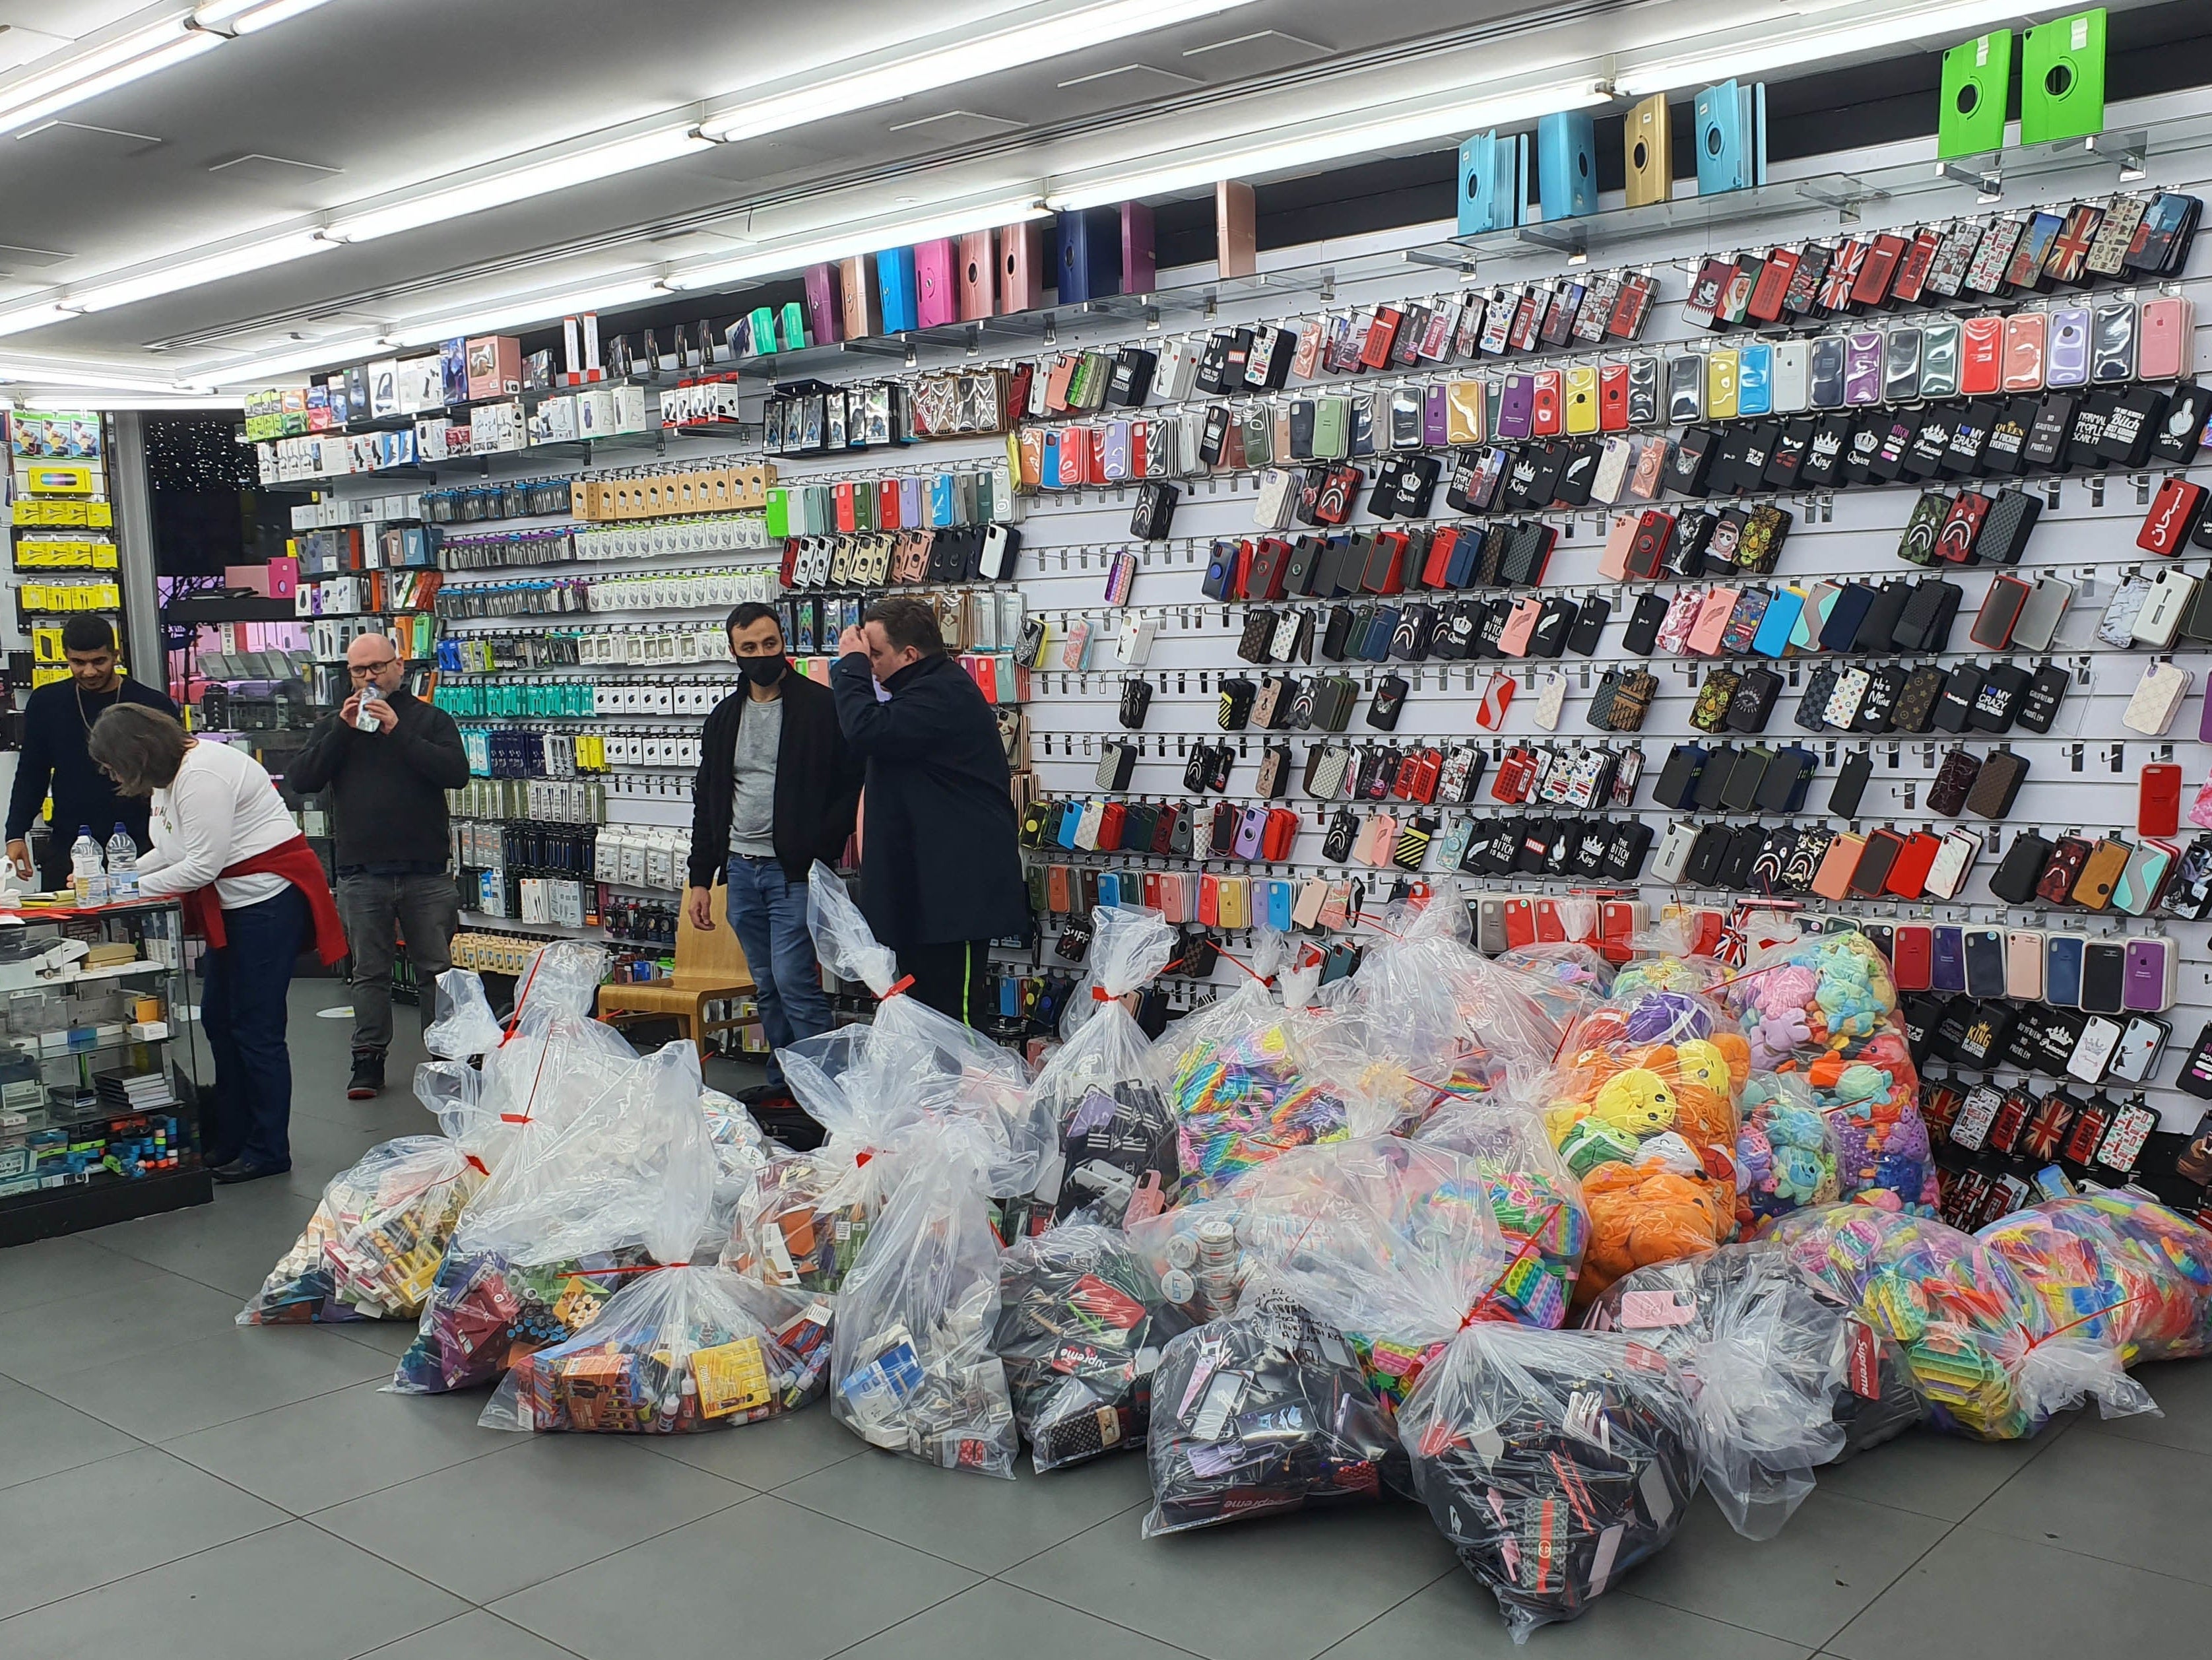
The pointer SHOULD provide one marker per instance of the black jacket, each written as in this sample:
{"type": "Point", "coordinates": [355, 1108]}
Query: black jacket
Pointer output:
{"type": "Point", "coordinates": [817, 783]}
{"type": "Point", "coordinates": [387, 789]}
{"type": "Point", "coordinates": [54, 757]}
{"type": "Point", "coordinates": [938, 857]}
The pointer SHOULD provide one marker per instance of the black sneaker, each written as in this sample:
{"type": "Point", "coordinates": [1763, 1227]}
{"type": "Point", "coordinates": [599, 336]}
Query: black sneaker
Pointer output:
{"type": "Point", "coordinates": [368, 1081]}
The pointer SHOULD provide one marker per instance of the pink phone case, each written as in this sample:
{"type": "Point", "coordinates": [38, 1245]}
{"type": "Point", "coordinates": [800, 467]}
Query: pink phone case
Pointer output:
{"type": "Point", "coordinates": [2168, 322]}
{"type": "Point", "coordinates": [1021, 267]}
{"type": "Point", "coordinates": [1620, 543]}
{"type": "Point", "coordinates": [1712, 621]}
{"type": "Point", "coordinates": [2024, 335]}
{"type": "Point", "coordinates": [979, 276]}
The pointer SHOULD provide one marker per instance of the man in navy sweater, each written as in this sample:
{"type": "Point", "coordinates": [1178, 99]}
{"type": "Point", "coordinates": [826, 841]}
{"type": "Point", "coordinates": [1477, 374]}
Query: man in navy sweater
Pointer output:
{"type": "Point", "coordinates": [56, 719]}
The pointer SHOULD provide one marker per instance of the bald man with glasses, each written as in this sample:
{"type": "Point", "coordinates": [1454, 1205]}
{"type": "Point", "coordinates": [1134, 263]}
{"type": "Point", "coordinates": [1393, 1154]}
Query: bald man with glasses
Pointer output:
{"type": "Point", "coordinates": [386, 758]}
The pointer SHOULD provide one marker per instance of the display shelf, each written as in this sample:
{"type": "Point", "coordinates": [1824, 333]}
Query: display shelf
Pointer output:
{"type": "Point", "coordinates": [99, 1201]}
{"type": "Point", "coordinates": [199, 609]}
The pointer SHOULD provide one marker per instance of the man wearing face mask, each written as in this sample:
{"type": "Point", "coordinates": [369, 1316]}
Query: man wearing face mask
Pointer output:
{"type": "Point", "coordinates": [941, 869]}
{"type": "Point", "coordinates": [777, 789]}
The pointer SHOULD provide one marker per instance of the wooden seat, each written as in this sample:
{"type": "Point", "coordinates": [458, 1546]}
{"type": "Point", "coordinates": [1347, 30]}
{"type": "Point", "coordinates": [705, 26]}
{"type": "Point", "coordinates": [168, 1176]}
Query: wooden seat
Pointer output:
{"type": "Point", "coordinates": [709, 967]}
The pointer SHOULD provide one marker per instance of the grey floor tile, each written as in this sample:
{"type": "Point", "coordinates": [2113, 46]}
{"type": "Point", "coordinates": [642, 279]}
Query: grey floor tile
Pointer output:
{"type": "Point", "coordinates": [2183, 1389]}
{"type": "Point", "coordinates": [2127, 1501]}
{"type": "Point", "coordinates": [388, 1337]}
{"type": "Point", "coordinates": [768, 1453]}
{"type": "Point", "coordinates": [807, 1585]}
{"type": "Point", "coordinates": [1982, 1593]}
{"type": "Point", "coordinates": [475, 1636]}
{"type": "Point", "coordinates": [980, 1523]}
{"type": "Point", "coordinates": [39, 1436]}
{"type": "Point", "coordinates": [238, 1372]}
{"type": "Point", "coordinates": [53, 1342]}
{"type": "Point", "coordinates": [1941, 1475]}
{"type": "Point", "coordinates": [1834, 1557]}
{"type": "Point", "coordinates": [1326, 1574]}
{"type": "Point", "coordinates": [293, 1593]}
{"type": "Point", "coordinates": [57, 1270]}
{"type": "Point", "coordinates": [320, 1452]}
{"type": "Point", "coordinates": [1459, 1617]}
{"type": "Point", "coordinates": [66, 1533]}
{"type": "Point", "coordinates": [996, 1618]}
{"type": "Point", "coordinates": [541, 1507]}
{"type": "Point", "coordinates": [230, 1244]}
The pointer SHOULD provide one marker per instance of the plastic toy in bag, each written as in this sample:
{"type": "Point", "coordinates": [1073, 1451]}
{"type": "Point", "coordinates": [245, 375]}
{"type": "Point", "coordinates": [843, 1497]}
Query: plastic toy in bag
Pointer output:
{"type": "Point", "coordinates": [373, 1244]}
{"type": "Point", "coordinates": [675, 1351]}
{"type": "Point", "coordinates": [804, 1216]}
{"type": "Point", "coordinates": [1782, 1376]}
{"type": "Point", "coordinates": [1981, 1347]}
{"type": "Point", "coordinates": [1236, 1078]}
{"type": "Point", "coordinates": [1641, 1108]}
{"type": "Point", "coordinates": [1117, 1142]}
{"type": "Point", "coordinates": [1267, 1411]}
{"type": "Point", "coordinates": [1824, 1008]}
{"type": "Point", "coordinates": [612, 1168]}
{"type": "Point", "coordinates": [1566, 982]}
{"type": "Point", "coordinates": [1785, 1150]}
{"type": "Point", "coordinates": [1081, 1325]}
{"type": "Point", "coordinates": [2115, 1267]}
{"type": "Point", "coordinates": [1553, 1461]}
{"type": "Point", "coordinates": [1535, 1200]}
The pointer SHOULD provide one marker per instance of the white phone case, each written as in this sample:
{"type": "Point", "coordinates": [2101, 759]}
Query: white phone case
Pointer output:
{"type": "Point", "coordinates": [1954, 860]}
{"type": "Point", "coordinates": [2092, 1053]}
{"type": "Point", "coordinates": [1793, 376]}
{"type": "Point", "coordinates": [2158, 698]}
{"type": "Point", "coordinates": [1614, 463]}
{"type": "Point", "coordinates": [2163, 608]}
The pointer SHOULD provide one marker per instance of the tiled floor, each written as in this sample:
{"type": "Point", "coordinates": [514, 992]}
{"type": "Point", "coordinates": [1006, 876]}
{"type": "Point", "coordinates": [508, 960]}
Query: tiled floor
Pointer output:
{"type": "Point", "coordinates": [171, 1483]}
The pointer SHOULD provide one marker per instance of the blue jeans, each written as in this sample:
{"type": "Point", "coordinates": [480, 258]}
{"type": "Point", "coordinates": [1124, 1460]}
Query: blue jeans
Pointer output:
{"type": "Point", "coordinates": [242, 1011]}
{"type": "Point", "coordinates": [767, 913]}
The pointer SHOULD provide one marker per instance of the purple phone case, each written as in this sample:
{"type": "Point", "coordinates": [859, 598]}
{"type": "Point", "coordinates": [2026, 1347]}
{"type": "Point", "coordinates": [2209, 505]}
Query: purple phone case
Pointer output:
{"type": "Point", "coordinates": [1516, 410]}
{"type": "Point", "coordinates": [2067, 363]}
{"type": "Point", "coordinates": [936, 283]}
{"type": "Point", "coordinates": [1947, 970]}
{"type": "Point", "coordinates": [1248, 829]}
{"type": "Point", "coordinates": [910, 500]}
{"type": "Point", "coordinates": [1863, 367]}
{"type": "Point", "coordinates": [2144, 987]}
{"type": "Point", "coordinates": [825, 316]}
{"type": "Point", "coordinates": [1138, 275]}
{"type": "Point", "coordinates": [1435, 411]}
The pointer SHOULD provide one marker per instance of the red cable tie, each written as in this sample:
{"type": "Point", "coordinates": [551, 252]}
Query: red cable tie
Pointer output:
{"type": "Point", "coordinates": [898, 988]}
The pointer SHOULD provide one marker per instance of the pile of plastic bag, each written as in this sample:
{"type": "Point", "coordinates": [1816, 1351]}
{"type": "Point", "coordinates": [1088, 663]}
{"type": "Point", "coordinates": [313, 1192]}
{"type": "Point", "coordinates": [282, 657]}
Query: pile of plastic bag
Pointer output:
{"type": "Point", "coordinates": [2116, 1268]}
{"type": "Point", "coordinates": [676, 1350]}
{"type": "Point", "coordinates": [610, 1170]}
{"type": "Point", "coordinates": [1118, 1145]}
{"type": "Point", "coordinates": [1641, 1108]}
{"type": "Point", "coordinates": [1985, 1354]}
{"type": "Point", "coordinates": [1238, 1079]}
{"type": "Point", "coordinates": [1823, 1008]}
{"type": "Point", "coordinates": [911, 1366]}
{"type": "Point", "coordinates": [1081, 1325]}
{"type": "Point", "coordinates": [1782, 1376]}
{"type": "Point", "coordinates": [1267, 1411]}
{"type": "Point", "coordinates": [1553, 1461]}
{"type": "Point", "coordinates": [801, 1219]}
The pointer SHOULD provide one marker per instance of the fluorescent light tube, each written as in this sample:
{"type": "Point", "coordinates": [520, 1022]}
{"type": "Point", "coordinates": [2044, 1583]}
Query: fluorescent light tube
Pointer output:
{"type": "Point", "coordinates": [90, 375]}
{"type": "Point", "coordinates": [250, 16]}
{"type": "Point", "coordinates": [1757, 57]}
{"type": "Point", "coordinates": [834, 242]}
{"type": "Point", "coordinates": [103, 68]}
{"type": "Point", "coordinates": [517, 185]}
{"type": "Point", "coordinates": [1244, 158]}
{"type": "Point", "coordinates": [968, 59]}
{"type": "Point", "coordinates": [519, 310]}
{"type": "Point", "coordinates": [190, 273]}
{"type": "Point", "coordinates": [265, 369]}
{"type": "Point", "coordinates": [33, 317]}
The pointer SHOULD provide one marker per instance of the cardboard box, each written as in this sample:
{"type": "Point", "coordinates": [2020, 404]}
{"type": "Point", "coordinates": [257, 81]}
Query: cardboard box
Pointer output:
{"type": "Point", "coordinates": [494, 366]}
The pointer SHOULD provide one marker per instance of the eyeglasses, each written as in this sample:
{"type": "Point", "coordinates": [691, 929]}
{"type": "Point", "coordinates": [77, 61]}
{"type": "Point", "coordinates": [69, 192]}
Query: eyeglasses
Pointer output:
{"type": "Point", "coordinates": [363, 670]}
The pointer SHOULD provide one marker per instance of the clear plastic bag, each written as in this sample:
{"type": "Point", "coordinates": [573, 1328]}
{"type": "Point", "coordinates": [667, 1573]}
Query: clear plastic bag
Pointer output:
{"type": "Point", "coordinates": [1823, 1008]}
{"type": "Point", "coordinates": [1983, 1351]}
{"type": "Point", "coordinates": [1642, 1107]}
{"type": "Point", "coordinates": [741, 1153]}
{"type": "Point", "coordinates": [375, 1242]}
{"type": "Point", "coordinates": [1116, 1137]}
{"type": "Point", "coordinates": [804, 1216]}
{"type": "Point", "coordinates": [1565, 980]}
{"type": "Point", "coordinates": [1535, 1200]}
{"type": "Point", "coordinates": [1265, 1412]}
{"type": "Point", "coordinates": [1782, 1375]}
{"type": "Point", "coordinates": [610, 1169]}
{"type": "Point", "coordinates": [675, 1351]}
{"type": "Point", "coordinates": [2115, 1267]}
{"type": "Point", "coordinates": [1785, 1150]}
{"type": "Point", "coordinates": [1081, 1325]}
{"type": "Point", "coordinates": [464, 1027]}
{"type": "Point", "coordinates": [1553, 1461]}
{"type": "Point", "coordinates": [1236, 1075]}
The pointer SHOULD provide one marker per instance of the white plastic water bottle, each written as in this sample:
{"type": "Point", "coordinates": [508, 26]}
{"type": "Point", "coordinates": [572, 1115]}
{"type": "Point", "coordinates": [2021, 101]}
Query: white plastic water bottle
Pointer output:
{"type": "Point", "coordinates": [88, 877]}
{"type": "Point", "coordinates": [122, 866]}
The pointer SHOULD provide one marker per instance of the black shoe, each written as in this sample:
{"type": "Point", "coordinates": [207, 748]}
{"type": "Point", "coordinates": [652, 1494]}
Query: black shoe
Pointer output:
{"type": "Point", "coordinates": [368, 1081]}
{"type": "Point", "coordinates": [239, 1171]}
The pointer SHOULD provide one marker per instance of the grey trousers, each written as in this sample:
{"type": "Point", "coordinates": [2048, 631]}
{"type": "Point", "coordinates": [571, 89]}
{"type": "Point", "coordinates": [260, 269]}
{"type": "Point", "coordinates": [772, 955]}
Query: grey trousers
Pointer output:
{"type": "Point", "coordinates": [421, 909]}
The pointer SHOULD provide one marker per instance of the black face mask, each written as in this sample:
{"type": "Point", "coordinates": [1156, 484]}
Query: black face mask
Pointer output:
{"type": "Point", "coordinates": [761, 671]}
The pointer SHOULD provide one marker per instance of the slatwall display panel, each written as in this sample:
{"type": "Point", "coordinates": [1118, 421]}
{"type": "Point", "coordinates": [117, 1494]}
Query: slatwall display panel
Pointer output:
{"type": "Point", "coordinates": [2082, 775]}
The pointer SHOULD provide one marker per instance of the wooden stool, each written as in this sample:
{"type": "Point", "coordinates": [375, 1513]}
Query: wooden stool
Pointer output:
{"type": "Point", "coordinates": [709, 966]}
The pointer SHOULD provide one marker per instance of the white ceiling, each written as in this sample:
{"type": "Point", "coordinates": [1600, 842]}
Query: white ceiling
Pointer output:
{"type": "Point", "coordinates": [363, 96]}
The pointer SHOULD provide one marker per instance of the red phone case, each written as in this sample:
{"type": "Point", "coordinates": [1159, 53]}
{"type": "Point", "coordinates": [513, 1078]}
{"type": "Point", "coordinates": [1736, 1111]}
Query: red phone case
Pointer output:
{"type": "Point", "coordinates": [2158, 799]}
{"type": "Point", "coordinates": [1612, 398]}
{"type": "Point", "coordinates": [1544, 417]}
{"type": "Point", "coordinates": [1981, 355]}
{"type": "Point", "coordinates": [1913, 949]}
{"type": "Point", "coordinates": [1520, 922]}
{"type": "Point", "coordinates": [1908, 872]}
